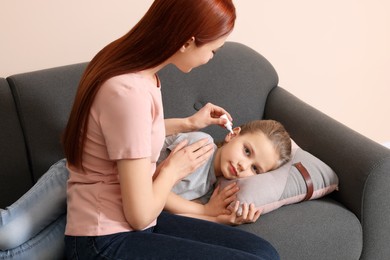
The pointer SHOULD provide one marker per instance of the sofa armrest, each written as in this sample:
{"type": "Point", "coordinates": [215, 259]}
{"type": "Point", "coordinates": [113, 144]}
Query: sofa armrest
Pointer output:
{"type": "Point", "coordinates": [362, 165]}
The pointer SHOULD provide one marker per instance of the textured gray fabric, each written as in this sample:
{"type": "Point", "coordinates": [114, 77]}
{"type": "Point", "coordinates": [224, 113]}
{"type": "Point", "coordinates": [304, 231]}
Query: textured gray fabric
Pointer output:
{"type": "Point", "coordinates": [316, 229]}
{"type": "Point", "coordinates": [15, 178]}
{"type": "Point", "coordinates": [237, 78]}
{"type": "Point", "coordinates": [44, 100]}
{"type": "Point", "coordinates": [361, 164]}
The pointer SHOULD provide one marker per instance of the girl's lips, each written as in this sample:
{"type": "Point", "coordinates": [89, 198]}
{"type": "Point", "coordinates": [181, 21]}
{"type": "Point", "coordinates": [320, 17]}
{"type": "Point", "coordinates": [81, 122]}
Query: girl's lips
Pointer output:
{"type": "Point", "coordinates": [233, 170]}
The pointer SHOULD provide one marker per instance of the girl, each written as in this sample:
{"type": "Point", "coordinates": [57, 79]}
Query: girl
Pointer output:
{"type": "Point", "coordinates": [255, 147]}
{"type": "Point", "coordinates": [115, 133]}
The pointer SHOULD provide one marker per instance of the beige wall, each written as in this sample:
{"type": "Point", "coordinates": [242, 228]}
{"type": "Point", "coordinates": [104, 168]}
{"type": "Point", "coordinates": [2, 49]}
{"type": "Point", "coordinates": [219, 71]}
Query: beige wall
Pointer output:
{"type": "Point", "coordinates": [333, 54]}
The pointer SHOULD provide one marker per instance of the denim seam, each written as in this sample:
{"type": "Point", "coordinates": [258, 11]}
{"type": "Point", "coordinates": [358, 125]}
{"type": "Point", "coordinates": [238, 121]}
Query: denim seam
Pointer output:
{"type": "Point", "coordinates": [101, 254]}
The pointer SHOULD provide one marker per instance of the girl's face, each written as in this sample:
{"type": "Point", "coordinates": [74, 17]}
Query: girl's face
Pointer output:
{"type": "Point", "coordinates": [245, 155]}
{"type": "Point", "coordinates": [191, 56]}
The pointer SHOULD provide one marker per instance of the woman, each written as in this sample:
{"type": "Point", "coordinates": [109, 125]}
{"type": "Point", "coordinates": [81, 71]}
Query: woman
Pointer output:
{"type": "Point", "coordinates": [116, 130]}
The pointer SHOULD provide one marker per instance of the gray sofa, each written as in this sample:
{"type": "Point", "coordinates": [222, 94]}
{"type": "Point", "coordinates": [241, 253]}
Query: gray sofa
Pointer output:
{"type": "Point", "coordinates": [352, 223]}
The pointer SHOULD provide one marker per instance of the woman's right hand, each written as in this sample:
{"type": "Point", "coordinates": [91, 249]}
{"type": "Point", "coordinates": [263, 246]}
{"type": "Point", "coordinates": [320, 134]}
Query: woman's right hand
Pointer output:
{"type": "Point", "coordinates": [210, 114]}
{"type": "Point", "coordinates": [184, 159]}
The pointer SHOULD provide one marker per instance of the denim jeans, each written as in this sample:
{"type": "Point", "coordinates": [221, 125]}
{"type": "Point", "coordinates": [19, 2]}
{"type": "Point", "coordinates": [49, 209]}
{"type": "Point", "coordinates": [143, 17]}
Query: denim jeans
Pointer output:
{"type": "Point", "coordinates": [37, 219]}
{"type": "Point", "coordinates": [174, 237]}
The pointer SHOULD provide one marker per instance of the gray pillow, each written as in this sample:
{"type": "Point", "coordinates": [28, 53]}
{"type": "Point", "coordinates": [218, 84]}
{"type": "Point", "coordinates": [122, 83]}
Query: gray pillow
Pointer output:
{"type": "Point", "coordinates": [287, 184]}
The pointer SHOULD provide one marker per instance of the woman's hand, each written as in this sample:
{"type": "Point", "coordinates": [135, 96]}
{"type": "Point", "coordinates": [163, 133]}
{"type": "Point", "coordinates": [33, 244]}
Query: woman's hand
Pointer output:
{"type": "Point", "coordinates": [184, 159]}
{"type": "Point", "coordinates": [249, 215]}
{"type": "Point", "coordinates": [220, 200]}
{"type": "Point", "coordinates": [208, 115]}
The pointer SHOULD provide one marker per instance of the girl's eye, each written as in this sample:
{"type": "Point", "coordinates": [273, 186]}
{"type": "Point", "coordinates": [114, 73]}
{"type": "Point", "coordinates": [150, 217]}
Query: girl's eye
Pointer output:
{"type": "Point", "coordinates": [247, 151]}
{"type": "Point", "coordinates": [255, 169]}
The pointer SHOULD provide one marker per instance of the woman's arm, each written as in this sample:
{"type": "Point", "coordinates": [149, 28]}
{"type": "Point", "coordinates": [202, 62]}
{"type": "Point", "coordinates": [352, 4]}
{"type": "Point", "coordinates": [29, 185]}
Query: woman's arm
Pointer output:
{"type": "Point", "coordinates": [143, 197]}
{"type": "Point", "coordinates": [178, 125]}
{"type": "Point", "coordinates": [207, 115]}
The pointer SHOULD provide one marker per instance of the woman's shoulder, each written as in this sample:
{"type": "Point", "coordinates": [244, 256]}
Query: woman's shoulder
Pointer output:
{"type": "Point", "coordinates": [124, 86]}
{"type": "Point", "coordinates": [128, 81]}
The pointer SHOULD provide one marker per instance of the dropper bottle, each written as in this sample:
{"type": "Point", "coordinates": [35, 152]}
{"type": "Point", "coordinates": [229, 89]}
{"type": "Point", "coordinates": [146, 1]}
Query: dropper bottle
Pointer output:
{"type": "Point", "coordinates": [228, 124]}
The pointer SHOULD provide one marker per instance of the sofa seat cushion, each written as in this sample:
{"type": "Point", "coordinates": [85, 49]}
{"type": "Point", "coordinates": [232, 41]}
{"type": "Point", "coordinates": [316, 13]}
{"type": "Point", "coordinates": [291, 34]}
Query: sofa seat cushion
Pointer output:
{"type": "Point", "coordinates": [316, 229]}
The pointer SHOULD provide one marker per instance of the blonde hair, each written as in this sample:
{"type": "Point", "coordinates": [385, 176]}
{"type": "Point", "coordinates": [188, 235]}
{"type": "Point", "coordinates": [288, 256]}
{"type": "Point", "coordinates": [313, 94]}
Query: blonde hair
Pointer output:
{"type": "Point", "coordinates": [275, 132]}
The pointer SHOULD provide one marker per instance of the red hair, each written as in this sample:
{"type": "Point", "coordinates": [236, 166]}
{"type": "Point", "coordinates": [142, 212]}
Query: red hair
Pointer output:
{"type": "Point", "coordinates": [164, 29]}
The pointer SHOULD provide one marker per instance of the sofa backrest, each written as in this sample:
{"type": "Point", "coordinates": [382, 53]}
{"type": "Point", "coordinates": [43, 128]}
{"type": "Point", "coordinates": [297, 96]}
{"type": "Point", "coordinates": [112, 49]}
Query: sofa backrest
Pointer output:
{"type": "Point", "coordinates": [15, 177]}
{"type": "Point", "coordinates": [44, 99]}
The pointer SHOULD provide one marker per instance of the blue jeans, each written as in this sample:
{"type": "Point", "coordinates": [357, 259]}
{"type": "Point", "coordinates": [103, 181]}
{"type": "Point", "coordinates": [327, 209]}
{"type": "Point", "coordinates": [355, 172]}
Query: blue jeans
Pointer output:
{"type": "Point", "coordinates": [37, 219]}
{"type": "Point", "coordinates": [174, 237]}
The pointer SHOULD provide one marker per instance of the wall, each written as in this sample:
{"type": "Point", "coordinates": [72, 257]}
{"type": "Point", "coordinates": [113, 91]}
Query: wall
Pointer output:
{"type": "Point", "coordinates": [332, 54]}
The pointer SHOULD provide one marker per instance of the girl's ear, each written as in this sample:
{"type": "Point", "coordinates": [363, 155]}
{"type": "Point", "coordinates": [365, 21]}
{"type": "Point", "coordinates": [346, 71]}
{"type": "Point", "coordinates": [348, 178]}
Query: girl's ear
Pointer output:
{"type": "Point", "coordinates": [230, 136]}
{"type": "Point", "coordinates": [188, 44]}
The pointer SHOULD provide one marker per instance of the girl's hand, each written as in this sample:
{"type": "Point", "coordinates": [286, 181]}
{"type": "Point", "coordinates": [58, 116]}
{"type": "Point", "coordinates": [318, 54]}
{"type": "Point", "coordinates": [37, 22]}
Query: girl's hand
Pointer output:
{"type": "Point", "coordinates": [249, 215]}
{"type": "Point", "coordinates": [220, 200]}
{"type": "Point", "coordinates": [208, 115]}
{"type": "Point", "coordinates": [184, 159]}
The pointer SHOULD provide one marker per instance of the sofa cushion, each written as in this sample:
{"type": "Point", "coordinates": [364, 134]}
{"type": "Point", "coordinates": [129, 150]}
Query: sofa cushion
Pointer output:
{"type": "Point", "coordinates": [286, 185]}
{"type": "Point", "coordinates": [15, 177]}
{"type": "Point", "coordinates": [44, 99]}
{"type": "Point", "coordinates": [317, 229]}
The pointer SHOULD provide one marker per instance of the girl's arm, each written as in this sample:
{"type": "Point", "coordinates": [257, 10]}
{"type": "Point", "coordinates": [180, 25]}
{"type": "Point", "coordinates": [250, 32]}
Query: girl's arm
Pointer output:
{"type": "Point", "coordinates": [249, 215]}
{"type": "Point", "coordinates": [178, 205]}
{"type": "Point", "coordinates": [217, 204]}
{"type": "Point", "coordinates": [216, 210]}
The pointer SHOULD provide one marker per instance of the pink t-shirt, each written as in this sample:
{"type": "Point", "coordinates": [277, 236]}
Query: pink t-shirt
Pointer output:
{"type": "Point", "coordinates": [126, 122]}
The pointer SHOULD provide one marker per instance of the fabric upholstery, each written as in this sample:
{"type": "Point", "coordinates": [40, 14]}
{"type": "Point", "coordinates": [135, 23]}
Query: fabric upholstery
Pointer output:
{"type": "Point", "coordinates": [362, 165]}
{"type": "Point", "coordinates": [15, 175]}
{"type": "Point", "coordinates": [237, 78]}
{"type": "Point", "coordinates": [44, 100]}
{"type": "Point", "coordinates": [316, 229]}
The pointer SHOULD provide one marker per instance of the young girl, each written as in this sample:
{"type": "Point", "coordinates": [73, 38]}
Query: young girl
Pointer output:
{"type": "Point", "coordinates": [256, 147]}
{"type": "Point", "coordinates": [115, 133]}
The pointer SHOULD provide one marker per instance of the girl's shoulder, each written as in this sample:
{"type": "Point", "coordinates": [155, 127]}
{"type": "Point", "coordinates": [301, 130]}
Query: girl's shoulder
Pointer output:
{"type": "Point", "coordinates": [192, 137]}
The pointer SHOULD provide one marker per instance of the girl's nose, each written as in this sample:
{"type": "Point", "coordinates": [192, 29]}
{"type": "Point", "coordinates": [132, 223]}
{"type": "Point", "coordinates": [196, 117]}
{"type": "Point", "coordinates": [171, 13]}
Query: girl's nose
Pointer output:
{"type": "Point", "coordinates": [242, 166]}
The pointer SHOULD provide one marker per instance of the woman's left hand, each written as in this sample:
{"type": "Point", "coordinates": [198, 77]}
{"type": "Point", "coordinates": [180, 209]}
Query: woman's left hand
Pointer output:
{"type": "Point", "coordinates": [208, 115]}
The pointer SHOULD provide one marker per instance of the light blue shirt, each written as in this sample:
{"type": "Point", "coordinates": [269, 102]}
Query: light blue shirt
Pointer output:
{"type": "Point", "coordinates": [200, 183]}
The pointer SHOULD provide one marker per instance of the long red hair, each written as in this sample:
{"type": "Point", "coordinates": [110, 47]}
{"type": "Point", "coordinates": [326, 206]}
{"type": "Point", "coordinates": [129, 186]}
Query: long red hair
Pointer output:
{"type": "Point", "coordinates": [164, 29]}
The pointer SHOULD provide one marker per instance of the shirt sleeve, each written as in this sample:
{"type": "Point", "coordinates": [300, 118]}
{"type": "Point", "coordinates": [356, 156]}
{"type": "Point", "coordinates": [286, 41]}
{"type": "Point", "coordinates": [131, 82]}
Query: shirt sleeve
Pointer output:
{"type": "Point", "coordinates": [125, 119]}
